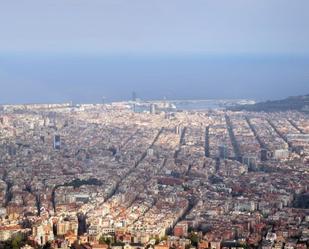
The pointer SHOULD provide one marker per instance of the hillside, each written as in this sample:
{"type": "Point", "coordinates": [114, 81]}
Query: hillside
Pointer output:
{"type": "Point", "coordinates": [299, 103]}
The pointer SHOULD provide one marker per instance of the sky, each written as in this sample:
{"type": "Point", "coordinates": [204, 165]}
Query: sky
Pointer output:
{"type": "Point", "coordinates": [81, 50]}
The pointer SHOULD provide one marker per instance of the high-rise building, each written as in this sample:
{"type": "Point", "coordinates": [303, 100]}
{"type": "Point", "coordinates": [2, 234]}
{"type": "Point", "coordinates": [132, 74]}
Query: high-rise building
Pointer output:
{"type": "Point", "coordinates": [153, 109]}
{"type": "Point", "coordinates": [57, 142]}
{"type": "Point", "coordinates": [264, 155]}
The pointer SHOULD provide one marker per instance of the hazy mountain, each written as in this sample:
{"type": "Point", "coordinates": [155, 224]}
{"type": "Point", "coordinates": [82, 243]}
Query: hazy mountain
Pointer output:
{"type": "Point", "coordinates": [299, 103]}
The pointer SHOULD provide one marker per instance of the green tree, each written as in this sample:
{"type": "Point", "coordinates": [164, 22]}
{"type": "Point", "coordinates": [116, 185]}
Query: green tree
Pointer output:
{"type": "Point", "coordinates": [17, 241]}
{"type": "Point", "coordinates": [194, 239]}
{"type": "Point", "coordinates": [47, 246]}
{"type": "Point", "coordinates": [104, 240]}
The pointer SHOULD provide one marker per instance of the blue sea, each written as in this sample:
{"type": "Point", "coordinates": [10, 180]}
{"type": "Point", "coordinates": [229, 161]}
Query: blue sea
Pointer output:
{"type": "Point", "coordinates": [33, 78]}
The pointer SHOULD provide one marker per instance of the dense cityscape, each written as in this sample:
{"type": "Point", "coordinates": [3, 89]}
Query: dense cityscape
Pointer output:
{"type": "Point", "coordinates": [154, 124]}
{"type": "Point", "coordinates": [108, 176]}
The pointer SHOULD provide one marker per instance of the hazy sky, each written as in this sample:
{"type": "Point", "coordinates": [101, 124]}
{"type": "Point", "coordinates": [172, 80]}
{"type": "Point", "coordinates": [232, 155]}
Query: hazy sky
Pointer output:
{"type": "Point", "coordinates": [139, 26]}
{"type": "Point", "coordinates": [70, 43]}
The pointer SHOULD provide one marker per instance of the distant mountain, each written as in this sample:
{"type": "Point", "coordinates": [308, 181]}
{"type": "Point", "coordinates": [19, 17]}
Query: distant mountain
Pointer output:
{"type": "Point", "coordinates": [299, 103]}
